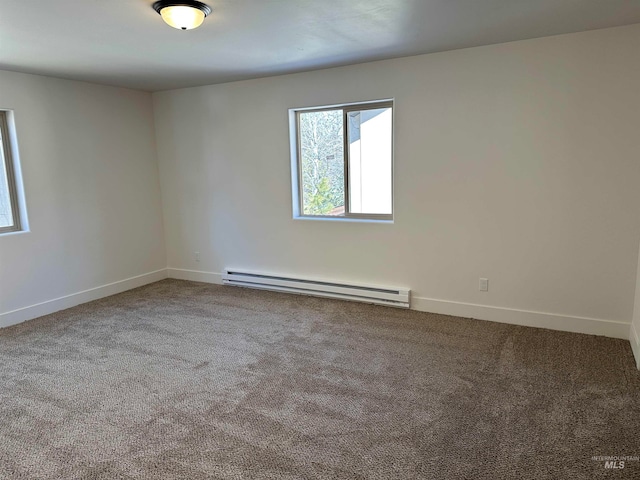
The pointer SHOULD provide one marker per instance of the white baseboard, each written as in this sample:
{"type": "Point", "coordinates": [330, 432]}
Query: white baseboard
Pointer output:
{"type": "Point", "coordinates": [590, 326]}
{"type": "Point", "coordinates": [50, 306]}
{"type": "Point", "coordinates": [552, 321]}
{"type": "Point", "coordinates": [634, 338]}
{"type": "Point", "coordinates": [195, 275]}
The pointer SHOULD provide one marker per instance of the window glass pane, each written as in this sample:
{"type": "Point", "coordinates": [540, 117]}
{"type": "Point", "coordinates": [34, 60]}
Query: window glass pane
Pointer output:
{"type": "Point", "coordinates": [322, 162]}
{"type": "Point", "coordinates": [6, 216]}
{"type": "Point", "coordinates": [370, 156]}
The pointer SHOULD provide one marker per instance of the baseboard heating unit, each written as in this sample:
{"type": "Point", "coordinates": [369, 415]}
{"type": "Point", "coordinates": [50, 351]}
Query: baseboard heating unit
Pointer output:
{"type": "Point", "coordinates": [394, 297]}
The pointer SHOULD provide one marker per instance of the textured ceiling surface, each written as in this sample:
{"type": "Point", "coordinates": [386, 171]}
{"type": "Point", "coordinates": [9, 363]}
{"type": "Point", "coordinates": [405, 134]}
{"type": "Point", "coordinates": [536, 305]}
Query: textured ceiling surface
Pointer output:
{"type": "Point", "coordinates": [125, 42]}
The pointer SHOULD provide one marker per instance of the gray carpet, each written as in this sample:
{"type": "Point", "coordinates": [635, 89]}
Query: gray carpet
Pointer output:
{"type": "Point", "coordinates": [192, 381]}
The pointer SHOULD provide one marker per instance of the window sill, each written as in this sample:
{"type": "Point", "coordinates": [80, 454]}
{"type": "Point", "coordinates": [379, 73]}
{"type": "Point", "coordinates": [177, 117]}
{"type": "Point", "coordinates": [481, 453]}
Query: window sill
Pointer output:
{"type": "Point", "coordinates": [342, 219]}
{"type": "Point", "coordinates": [13, 232]}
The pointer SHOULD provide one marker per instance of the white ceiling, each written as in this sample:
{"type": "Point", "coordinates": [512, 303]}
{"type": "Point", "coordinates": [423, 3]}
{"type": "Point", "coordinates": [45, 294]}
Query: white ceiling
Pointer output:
{"type": "Point", "coordinates": [125, 42]}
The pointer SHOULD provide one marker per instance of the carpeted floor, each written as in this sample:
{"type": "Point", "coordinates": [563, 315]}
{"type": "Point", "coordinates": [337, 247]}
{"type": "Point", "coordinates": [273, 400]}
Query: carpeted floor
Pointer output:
{"type": "Point", "coordinates": [191, 381]}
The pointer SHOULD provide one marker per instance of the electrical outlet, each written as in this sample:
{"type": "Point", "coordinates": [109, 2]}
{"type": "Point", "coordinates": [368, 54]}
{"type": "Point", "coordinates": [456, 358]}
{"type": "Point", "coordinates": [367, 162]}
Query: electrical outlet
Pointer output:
{"type": "Point", "coordinates": [484, 285]}
{"type": "Point", "coordinates": [197, 256]}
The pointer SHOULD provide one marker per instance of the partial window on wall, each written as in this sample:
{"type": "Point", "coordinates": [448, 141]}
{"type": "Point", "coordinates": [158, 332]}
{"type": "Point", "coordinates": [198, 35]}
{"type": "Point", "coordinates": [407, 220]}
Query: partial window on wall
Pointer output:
{"type": "Point", "coordinates": [9, 211]}
{"type": "Point", "coordinates": [343, 161]}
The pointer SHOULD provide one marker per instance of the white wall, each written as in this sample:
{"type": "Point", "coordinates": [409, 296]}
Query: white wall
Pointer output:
{"type": "Point", "coordinates": [634, 334]}
{"type": "Point", "coordinates": [517, 162]}
{"type": "Point", "coordinates": [90, 174]}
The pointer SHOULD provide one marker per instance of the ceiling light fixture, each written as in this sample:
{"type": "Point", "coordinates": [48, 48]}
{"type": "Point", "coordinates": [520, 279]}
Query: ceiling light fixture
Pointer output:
{"type": "Point", "coordinates": [183, 15]}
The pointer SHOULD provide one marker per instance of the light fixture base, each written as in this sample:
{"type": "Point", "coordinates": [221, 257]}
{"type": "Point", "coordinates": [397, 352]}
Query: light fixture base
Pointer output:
{"type": "Point", "coordinates": [160, 4]}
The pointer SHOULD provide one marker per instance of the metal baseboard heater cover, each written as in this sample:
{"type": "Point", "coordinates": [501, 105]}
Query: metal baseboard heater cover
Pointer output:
{"type": "Point", "coordinates": [394, 297]}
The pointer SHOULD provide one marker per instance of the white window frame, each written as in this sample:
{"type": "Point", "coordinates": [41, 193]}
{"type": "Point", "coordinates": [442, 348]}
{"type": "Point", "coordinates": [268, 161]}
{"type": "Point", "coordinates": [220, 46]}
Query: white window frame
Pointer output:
{"type": "Point", "coordinates": [12, 175]}
{"type": "Point", "coordinates": [296, 159]}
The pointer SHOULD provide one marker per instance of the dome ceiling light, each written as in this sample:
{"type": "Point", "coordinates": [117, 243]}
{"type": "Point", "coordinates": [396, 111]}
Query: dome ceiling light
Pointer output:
{"type": "Point", "coordinates": [183, 15]}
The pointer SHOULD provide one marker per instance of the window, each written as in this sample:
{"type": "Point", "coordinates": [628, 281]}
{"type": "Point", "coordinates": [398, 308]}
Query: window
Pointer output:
{"type": "Point", "coordinates": [343, 161]}
{"type": "Point", "coordinates": [9, 214]}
